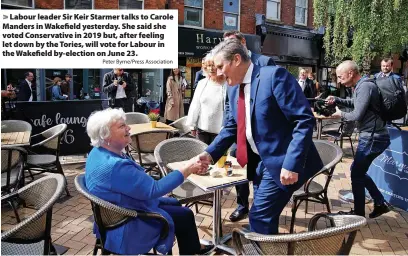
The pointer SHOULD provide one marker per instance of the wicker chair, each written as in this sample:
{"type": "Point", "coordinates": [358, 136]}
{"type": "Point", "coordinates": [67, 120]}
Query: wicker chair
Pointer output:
{"type": "Point", "coordinates": [136, 118]}
{"type": "Point", "coordinates": [32, 236]}
{"type": "Point", "coordinates": [177, 150]}
{"type": "Point", "coordinates": [313, 191]}
{"type": "Point", "coordinates": [51, 142]}
{"type": "Point", "coordinates": [144, 144]}
{"type": "Point", "coordinates": [183, 129]}
{"type": "Point", "coordinates": [345, 130]}
{"type": "Point", "coordinates": [15, 126]}
{"type": "Point", "coordinates": [327, 241]}
{"type": "Point", "coordinates": [12, 162]}
{"type": "Point", "coordinates": [109, 216]}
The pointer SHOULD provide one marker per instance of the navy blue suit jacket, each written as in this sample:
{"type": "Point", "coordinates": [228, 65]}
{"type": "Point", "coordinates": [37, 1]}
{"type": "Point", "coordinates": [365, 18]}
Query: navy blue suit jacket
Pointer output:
{"type": "Point", "coordinates": [24, 91]}
{"type": "Point", "coordinates": [281, 121]}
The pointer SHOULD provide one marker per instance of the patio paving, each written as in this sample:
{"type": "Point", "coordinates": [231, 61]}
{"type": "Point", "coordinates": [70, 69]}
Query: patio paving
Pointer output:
{"type": "Point", "coordinates": [72, 218]}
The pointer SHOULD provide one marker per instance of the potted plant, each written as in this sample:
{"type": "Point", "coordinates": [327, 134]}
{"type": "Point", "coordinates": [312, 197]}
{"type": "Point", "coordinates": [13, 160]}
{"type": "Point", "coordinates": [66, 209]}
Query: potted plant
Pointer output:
{"type": "Point", "coordinates": [153, 119]}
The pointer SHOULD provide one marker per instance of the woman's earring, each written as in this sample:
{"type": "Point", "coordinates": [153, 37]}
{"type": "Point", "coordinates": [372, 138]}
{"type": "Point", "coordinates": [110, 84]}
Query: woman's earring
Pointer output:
{"type": "Point", "coordinates": [108, 143]}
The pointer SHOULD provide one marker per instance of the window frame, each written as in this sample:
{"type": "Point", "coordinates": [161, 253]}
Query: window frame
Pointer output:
{"type": "Point", "coordinates": [21, 6]}
{"type": "Point", "coordinates": [92, 5]}
{"type": "Point", "coordinates": [194, 7]}
{"type": "Point", "coordinates": [143, 2]}
{"type": "Point", "coordinates": [279, 10]}
{"type": "Point", "coordinates": [232, 13]}
{"type": "Point", "coordinates": [306, 13]}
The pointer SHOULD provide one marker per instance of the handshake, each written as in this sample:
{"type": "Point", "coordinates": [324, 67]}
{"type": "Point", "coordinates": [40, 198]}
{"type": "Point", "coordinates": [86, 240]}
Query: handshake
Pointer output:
{"type": "Point", "coordinates": [197, 165]}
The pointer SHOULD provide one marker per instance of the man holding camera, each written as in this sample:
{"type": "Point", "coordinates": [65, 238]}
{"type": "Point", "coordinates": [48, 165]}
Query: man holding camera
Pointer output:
{"type": "Point", "coordinates": [373, 139]}
{"type": "Point", "coordinates": [119, 86]}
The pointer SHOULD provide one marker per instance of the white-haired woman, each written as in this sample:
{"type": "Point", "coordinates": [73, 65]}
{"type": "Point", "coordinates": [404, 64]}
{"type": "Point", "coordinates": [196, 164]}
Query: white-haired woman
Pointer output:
{"type": "Point", "coordinates": [112, 176]}
{"type": "Point", "coordinates": [206, 113]}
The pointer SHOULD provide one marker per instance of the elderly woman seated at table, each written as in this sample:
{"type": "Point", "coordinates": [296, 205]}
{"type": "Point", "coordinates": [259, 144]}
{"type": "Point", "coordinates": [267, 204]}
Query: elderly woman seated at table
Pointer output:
{"type": "Point", "coordinates": [112, 176]}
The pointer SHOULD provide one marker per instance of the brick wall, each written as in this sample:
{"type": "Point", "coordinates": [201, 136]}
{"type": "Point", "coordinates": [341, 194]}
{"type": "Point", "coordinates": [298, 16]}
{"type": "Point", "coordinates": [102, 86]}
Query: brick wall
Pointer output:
{"type": "Point", "coordinates": [49, 4]}
{"type": "Point", "coordinates": [179, 5]}
{"type": "Point", "coordinates": [106, 4]}
{"type": "Point", "coordinates": [247, 22]}
{"type": "Point", "coordinates": [154, 4]}
{"type": "Point", "coordinates": [213, 14]}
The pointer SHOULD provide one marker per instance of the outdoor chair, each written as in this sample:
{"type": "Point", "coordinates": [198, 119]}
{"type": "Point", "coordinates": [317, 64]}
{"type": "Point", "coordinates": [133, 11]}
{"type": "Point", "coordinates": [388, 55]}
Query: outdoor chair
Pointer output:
{"type": "Point", "coordinates": [178, 150]}
{"type": "Point", "coordinates": [345, 131]}
{"type": "Point", "coordinates": [183, 129]}
{"type": "Point", "coordinates": [109, 216]}
{"type": "Point", "coordinates": [12, 162]}
{"type": "Point", "coordinates": [313, 191]}
{"type": "Point", "coordinates": [143, 144]}
{"type": "Point", "coordinates": [50, 142]}
{"type": "Point", "coordinates": [136, 118]}
{"type": "Point", "coordinates": [335, 240]}
{"type": "Point", "coordinates": [32, 236]}
{"type": "Point", "coordinates": [15, 126]}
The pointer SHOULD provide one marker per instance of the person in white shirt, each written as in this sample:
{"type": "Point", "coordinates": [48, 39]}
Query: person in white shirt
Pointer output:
{"type": "Point", "coordinates": [306, 84]}
{"type": "Point", "coordinates": [24, 89]}
{"type": "Point", "coordinates": [206, 113]}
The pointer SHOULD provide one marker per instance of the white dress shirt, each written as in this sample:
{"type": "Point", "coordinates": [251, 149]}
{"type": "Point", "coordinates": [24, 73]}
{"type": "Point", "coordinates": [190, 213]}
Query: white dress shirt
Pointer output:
{"type": "Point", "coordinates": [302, 84]}
{"type": "Point", "coordinates": [31, 89]}
{"type": "Point", "coordinates": [120, 92]}
{"type": "Point", "coordinates": [247, 92]}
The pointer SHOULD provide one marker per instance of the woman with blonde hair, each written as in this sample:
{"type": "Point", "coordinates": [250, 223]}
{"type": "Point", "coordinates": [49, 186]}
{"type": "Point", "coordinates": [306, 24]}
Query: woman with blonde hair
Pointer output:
{"type": "Point", "coordinates": [206, 113]}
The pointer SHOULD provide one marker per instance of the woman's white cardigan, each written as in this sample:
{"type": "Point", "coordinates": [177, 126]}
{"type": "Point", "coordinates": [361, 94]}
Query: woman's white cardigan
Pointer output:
{"type": "Point", "coordinates": [207, 107]}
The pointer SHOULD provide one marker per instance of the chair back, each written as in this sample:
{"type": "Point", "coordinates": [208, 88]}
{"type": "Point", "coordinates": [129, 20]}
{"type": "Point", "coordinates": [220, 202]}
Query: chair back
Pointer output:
{"type": "Point", "coordinates": [180, 124]}
{"type": "Point", "coordinates": [330, 154]}
{"type": "Point", "coordinates": [12, 162]}
{"type": "Point", "coordinates": [146, 142]}
{"type": "Point", "coordinates": [110, 216]}
{"type": "Point", "coordinates": [136, 118]}
{"type": "Point", "coordinates": [15, 126]}
{"type": "Point", "coordinates": [177, 150]}
{"type": "Point", "coordinates": [328, 241]}
{"type": "Point", "coordinates": [52, 137]}
{"type": "Point", "coordinates": [347, 128]}
{"type": "Point", "coordinates": [33, 234]}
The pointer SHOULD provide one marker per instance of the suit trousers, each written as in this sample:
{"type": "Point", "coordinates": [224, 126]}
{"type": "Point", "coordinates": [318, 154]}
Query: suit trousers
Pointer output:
{"type": "Point", "coordinates": [269, 201]}
{"type": "Point", "coordinates": [184, 223]}
{"type": "Point", "coordinates": [205, 137]}
{"type": "Point", "coordinates": [243, 189]}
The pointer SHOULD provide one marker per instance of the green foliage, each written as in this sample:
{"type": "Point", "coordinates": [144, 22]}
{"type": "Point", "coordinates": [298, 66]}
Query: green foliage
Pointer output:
{"type": "Point", "coordinates": [153, 116]}
{"type": "Point", "coordinates": [379, 28]}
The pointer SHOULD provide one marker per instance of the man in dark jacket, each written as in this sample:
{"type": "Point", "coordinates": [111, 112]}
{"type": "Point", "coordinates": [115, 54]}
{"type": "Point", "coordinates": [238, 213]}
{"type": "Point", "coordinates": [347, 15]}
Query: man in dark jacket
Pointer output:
{"type": "Point", "coordinates": [306, 84]}
{"type": "Point", "coordinates": [24, 90]}
{"type": "Point", "coordinates": [119, 86]}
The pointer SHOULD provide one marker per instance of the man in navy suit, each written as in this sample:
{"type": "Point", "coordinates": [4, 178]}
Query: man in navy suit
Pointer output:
{"type": "Point", "coordinates": [243, 190]}
{"type": "Point", "coordinates": [24, 90]}
{"type": "Point", "coordinates": [270, 115]}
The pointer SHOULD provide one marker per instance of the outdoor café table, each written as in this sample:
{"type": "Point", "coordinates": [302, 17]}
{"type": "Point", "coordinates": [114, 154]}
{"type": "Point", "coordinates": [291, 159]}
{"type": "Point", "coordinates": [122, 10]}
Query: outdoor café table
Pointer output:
{"type": "Point", "coordinates": [217, 184]}
{"type": "Point", "coordinates": [147, 127]}
{"type": "Point", "coordinates": [320, 119]}
{"type": "Point", "coordinates": [17, 139]}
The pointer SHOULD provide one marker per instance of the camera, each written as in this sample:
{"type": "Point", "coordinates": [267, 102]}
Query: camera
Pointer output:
{"type": "Point", "coordinates": [120, 80]}
{"type": "Point", "coordinates": [322, 108]}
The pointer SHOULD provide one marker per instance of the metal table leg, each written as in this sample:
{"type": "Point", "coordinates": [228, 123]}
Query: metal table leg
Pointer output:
{"type": "Point", "coordinates": [219, 240]}
{"type": "Point", "coordinates": [319, 128]}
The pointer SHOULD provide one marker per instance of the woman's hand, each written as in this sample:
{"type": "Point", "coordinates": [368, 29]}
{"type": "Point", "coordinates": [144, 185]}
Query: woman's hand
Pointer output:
{"type": "Point", "coordinates": [195, 165]}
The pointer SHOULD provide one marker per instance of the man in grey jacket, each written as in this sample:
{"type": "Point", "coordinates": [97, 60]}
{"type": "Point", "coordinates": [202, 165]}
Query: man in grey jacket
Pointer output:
{"type": "Point", "coordinates": [373, 139]}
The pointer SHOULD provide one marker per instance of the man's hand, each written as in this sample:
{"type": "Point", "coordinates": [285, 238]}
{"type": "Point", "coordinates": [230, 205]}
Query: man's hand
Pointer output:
{"type": "Point", "coordinates": [205, 160]}
{"type": "Point", "coordinates": [115, 82]}
{"type": "Point", "coordinates": [288, 177]}
{"type": "Point", "coordinates": [330, 100]}
{"type": "Point", "coordinates": [124, 85]}
{"type": "Point", "coordinates": [194, 133]}
{"type": "Point", "coordinates": [337, 113]}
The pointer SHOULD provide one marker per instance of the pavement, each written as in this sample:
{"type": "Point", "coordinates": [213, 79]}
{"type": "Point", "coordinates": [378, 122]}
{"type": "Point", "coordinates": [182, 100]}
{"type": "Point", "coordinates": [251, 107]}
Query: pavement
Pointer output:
{"type": "Point", "coordinates": [72, 219]}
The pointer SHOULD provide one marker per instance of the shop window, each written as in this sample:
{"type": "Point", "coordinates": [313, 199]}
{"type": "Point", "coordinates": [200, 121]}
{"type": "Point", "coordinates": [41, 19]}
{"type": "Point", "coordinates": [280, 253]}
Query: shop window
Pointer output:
{"type": "Point", "coordinates": [301, 12]}
{"type": "Point", "coordinates": [193, 13]}
{"type": "Point", "coordinates": [19, 3]}
{"type": "Point", "coordinates": [94, 84]}
{"type": "Point", "coordinates": [273, 8]}
{"type": "Point", "coordinates": [78, 4]}
{"type": "Point", "coordinates": [130, 4]}
{"type": "Point", "coordinates": [231, 14]}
